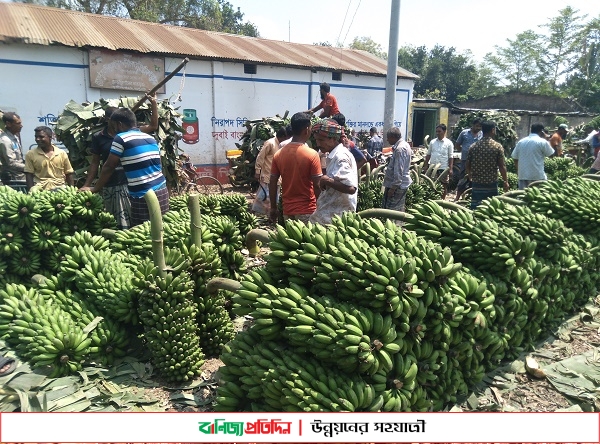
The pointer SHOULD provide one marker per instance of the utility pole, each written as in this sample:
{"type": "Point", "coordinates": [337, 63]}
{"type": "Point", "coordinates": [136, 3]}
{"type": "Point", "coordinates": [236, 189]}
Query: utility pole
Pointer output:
{"type": "Point", "coordinates": [392, 69]}
{"type": "Point", "coordinates": [289, 31]}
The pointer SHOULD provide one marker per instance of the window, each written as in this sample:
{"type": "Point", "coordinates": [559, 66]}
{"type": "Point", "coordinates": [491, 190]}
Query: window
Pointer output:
{"type": "Point", "coordinates": [249, 68]}
{"type": "Point", "coordinates": [336, 76]}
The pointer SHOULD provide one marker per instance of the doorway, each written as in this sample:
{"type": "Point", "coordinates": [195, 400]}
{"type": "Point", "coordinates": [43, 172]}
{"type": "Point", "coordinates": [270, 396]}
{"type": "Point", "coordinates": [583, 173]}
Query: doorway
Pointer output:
{"type": "Point", "coordinates": [424, 123]}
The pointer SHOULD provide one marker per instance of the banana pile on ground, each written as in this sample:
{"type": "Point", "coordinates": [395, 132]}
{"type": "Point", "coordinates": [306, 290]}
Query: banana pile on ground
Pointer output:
{"type": "Point", "coordinates": [370, 194]}
{"type": "Point", "coordinates": [389, 310]}
{"type": "Point", "coordinates": [33, 225]}
{"type": "Point", "coordinates": [425, 186]}
{"type": "Point", "coordinates": [100, 291]}
{"type": "Point", "coordinates": [257, 133]}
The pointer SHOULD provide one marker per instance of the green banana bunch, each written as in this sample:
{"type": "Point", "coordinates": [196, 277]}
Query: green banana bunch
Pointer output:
{"type": "Point", "coordinates": [11, 240]}
{"type": "Point", "coordinates": [19, 209]}
{"type": "Point", "coordinates": [55, 207]}
{"type": "Point", "coordinates": [168, 314]}
{"type": "Point", "coordinates": [109, 339]}
{"type": "Point", "coordinates": [44, 236]}
{"type": "Point", "coordinates": [45, 335]}
{"type": "Point", "coordinates": [262, 375]}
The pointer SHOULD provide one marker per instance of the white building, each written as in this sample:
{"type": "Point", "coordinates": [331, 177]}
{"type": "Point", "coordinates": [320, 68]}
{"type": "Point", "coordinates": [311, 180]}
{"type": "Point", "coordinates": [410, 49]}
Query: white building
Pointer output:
{"type": "Point", "coordinates": [49, 56]}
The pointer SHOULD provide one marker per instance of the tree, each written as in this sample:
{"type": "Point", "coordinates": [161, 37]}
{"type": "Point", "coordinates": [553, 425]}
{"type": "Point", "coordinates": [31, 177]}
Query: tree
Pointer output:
{"type": "Point", "coordinates": [485, 83]}
{"type": "Point", "coordinates": [560, 44]}
{"type": "Point", "coordinates": [441, 70]}
{"type": "Point", "coordinates": [369, 45]}
{"type": "Point", "coordinates": [210, 15]}
{"type": "Point", "coordinates": [519, 65]}
{"type": "Point", "coordinates": [583, 83]}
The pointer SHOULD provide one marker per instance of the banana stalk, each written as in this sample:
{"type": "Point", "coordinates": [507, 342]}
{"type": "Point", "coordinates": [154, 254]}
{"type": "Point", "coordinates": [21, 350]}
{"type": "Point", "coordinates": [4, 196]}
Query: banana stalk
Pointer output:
{"type": "Point", "coordinates": [196, 219]}
{"type": "Point", "coordinates": [252, 239]}
{"type": "Point", "coordinates": [216, 284]}
{"type": "Point", "coordinates": [156, 231]}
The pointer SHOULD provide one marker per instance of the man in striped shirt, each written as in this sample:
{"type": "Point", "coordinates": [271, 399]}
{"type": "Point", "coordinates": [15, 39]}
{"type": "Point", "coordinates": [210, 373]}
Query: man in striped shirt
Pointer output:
{"type": "Point", "coordinates": [140, 156]}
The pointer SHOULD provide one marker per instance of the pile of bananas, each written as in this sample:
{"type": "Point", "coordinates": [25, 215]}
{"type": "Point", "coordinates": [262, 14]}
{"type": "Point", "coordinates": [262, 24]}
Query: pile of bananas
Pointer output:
{"type": "Point", "coordinates": [572, 201]}
{"type": "Point", "coordinates": [32, 226]}
{"type": "Point", "coordinates": [389, 305]}
{"type": "Point", "coordinates": [41, 333]}
{"type": "Point", "coordinates": [168, 314]}
{"type": "Point", "coordinates": [109, 339]}
{"type": "Point", "coordinates": [264, 375]}
{"type": "Point", "coordinates": [369, 194]}
{"type": "Point", "coordinates": [482, 243]}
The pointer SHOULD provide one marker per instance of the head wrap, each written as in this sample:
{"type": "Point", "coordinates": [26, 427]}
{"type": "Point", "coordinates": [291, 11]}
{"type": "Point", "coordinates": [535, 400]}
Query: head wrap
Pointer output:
{"type": "Point", "coordinates": [328, 128]}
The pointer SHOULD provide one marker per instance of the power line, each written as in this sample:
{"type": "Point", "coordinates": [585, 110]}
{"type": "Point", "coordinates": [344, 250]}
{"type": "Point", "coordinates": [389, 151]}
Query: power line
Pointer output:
{"type": "Point", "coordinates": [351, 22]}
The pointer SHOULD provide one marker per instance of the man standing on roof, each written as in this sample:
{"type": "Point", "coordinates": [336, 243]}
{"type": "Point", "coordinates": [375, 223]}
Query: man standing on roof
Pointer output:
{"type": "Point", "coordinates": [328, 103]}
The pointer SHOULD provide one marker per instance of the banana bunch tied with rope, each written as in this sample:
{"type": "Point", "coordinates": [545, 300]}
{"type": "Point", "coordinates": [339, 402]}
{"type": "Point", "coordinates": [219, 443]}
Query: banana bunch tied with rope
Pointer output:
{"type": "Point", "coordinates": [351, 338]}
{"type": "Point", "coordinates": [42, 333]}
{"type": "Point", "coordinates": [109, 338]}
{"type": "Point", "coordinates": [481, 243]}
{"type": "Point", "coordinates": [264, 376]}
{"type": "Point", "coordinates": [168, 314]}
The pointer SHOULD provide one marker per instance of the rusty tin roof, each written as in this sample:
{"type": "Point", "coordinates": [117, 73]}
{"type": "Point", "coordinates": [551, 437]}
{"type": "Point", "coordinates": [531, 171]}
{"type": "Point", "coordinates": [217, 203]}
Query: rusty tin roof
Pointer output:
{"type": "Point", "coordinates": [40, 25]}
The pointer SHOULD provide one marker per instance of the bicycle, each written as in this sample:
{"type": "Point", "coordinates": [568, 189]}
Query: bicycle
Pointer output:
{"type": "Point", "coordinates": [195, 181]}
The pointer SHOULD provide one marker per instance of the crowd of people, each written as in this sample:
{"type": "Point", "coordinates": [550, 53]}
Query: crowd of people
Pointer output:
{"type": "Point", "coordinates": [314, 185]}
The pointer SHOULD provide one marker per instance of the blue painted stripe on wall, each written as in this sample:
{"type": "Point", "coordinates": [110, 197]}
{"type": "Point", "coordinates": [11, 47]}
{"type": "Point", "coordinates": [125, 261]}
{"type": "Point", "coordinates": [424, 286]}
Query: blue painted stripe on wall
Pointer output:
{"type": "Point", "coordinates": [207, 76]}
{"type": "Point", "coordinates": [51, 64]}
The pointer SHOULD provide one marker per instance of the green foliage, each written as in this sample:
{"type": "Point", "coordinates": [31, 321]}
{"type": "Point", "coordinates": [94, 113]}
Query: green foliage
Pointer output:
{"type": "Point", "coordinates": [369, 45]}
{"type": "Point", "coordinates": [211, 15]}
{"type": "Point", "coordinates": [439, 69]}
{"type": "Point", "coordinates": [506, 124]}
{"type": "Point", "coordinates": [77, 123]}
{"type": "Point", "coordinates": [257, 132]}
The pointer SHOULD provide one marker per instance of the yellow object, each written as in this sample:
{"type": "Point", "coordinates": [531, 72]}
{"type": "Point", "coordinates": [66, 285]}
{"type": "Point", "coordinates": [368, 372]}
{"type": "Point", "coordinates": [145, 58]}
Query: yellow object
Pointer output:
{"type": "Point", "coordinates": [233, 153]}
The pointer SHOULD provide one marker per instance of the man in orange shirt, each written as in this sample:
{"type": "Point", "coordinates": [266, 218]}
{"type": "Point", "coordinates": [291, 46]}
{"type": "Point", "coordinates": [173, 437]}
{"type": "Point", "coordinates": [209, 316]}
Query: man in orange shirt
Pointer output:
{"type": "Point", "coordinates": [557, 138]}
{"type": "Point", "coordinates": [300, 170]}
{"type": "Point", "coordinates": [328, 103]}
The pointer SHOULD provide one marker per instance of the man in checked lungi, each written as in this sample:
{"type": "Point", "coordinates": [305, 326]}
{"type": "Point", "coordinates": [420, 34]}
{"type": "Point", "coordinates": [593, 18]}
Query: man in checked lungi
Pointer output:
{"type": "Point", "coordinates": [140, 156]}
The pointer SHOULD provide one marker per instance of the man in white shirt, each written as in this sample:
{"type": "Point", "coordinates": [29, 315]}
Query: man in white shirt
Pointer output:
{"type": "Point", "coordinates": [340, 183]}
{"type": "Point", "coordinates": [588, 139]}
{"type": "Point", "coordinates": [440, 152]}
{"type": "Point", "coordinates": [529, 155]}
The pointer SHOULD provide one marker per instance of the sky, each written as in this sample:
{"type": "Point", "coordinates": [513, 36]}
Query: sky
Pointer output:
{"type": "Point", "coordinates": [465, 24]}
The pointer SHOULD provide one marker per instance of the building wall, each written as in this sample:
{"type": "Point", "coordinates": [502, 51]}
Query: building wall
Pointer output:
{"type": "Point", "coordinates": [44, 78]}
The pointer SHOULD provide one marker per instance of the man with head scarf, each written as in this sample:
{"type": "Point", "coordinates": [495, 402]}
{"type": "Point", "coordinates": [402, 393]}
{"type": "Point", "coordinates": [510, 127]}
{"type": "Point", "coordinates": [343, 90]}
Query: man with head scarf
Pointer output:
{"type": "Point", "coordinates": [340, 183]}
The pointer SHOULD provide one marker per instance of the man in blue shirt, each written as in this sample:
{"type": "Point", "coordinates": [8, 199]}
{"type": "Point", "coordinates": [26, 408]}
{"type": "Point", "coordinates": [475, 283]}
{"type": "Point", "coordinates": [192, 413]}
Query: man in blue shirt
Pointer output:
{"type": "Point", "coordinates": [529, 155]}
{"type": "Point", "coordinates": [375, 142]}
{"type": "Point", "coordinates": [140, 156]}
{"type": "Point", "coordinates": [465, 139]}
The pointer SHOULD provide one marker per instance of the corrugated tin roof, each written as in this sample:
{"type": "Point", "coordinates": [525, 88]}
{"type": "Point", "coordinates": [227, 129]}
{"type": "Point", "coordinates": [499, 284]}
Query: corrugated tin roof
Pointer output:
{"type": "Point", "coordinates": [32, 24]}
